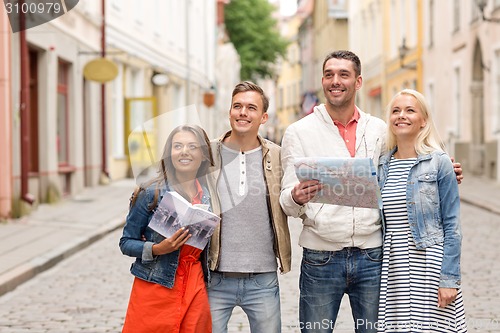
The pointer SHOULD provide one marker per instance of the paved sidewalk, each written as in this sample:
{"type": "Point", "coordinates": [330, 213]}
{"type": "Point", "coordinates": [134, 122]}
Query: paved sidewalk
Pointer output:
{"type": "Point", "coordinates": [481, 193]}
{"type": "Point", "coordinates": [37, 242]}
{"type": "Point", "coordinates": [52, 233]}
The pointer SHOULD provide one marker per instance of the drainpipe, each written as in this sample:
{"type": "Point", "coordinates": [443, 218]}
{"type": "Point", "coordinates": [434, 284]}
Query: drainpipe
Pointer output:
{"type": "Point", "coordinates": [25, 113]}
{"type": "Point", "coordinates": [103, 94]}
{"type": "Point", "coordinates": [5, 120]}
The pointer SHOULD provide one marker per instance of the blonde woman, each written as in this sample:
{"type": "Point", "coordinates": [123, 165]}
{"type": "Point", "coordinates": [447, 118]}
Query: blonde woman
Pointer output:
{"type": "Point", "coordinates": [420, 285]}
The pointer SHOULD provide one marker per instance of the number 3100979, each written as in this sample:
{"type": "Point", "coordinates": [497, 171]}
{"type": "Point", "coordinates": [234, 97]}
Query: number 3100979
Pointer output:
{"type": "Point", "coordinates": [33, 8]}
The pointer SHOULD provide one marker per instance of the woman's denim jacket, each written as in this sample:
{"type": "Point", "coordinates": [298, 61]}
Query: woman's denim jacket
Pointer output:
{"type": "Point", "coordinates": [433, 205]}
{"type": "Point", "coordinates": [158, 269]}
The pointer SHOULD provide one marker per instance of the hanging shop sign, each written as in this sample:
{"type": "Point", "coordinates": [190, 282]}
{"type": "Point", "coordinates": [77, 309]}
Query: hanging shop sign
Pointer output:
{"type": "Point", "coordinates": [100, 70]}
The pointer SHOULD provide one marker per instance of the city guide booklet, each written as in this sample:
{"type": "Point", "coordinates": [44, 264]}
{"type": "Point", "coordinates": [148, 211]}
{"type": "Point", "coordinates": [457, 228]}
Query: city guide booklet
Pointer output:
{"type": "Point", "coordinates": [175, 212]}
{"type": "Point", "coordinates": [346, 181]}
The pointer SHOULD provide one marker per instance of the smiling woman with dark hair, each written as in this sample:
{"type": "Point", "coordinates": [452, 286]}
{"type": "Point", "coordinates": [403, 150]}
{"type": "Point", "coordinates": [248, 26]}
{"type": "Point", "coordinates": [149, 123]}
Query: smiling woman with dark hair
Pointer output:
{"type": "Point", "coordinates": [169, 293]}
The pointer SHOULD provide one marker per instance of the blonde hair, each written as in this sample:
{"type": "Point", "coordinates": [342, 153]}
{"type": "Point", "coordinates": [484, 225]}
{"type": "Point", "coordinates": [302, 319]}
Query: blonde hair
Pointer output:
{"type": "Point", "coordinates": [428, 140]}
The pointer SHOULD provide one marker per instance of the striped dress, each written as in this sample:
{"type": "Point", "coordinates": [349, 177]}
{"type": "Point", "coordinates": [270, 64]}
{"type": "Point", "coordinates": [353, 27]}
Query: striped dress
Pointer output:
{"type": "Point", "coordinates": [410, 277]}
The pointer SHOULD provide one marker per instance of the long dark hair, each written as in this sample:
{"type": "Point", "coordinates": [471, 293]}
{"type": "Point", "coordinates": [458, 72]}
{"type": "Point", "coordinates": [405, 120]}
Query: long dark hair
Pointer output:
{"type": "Point", "coordinates": [166, 169]}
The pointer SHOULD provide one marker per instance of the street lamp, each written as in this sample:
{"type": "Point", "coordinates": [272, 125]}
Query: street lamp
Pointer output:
{"type": "Point", "coordinates": [403, 50]}
{"type": "Point", "coordinates": [481, 4]}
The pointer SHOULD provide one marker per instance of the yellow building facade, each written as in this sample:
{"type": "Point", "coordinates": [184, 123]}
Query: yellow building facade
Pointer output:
{"type": "Point", "coordinates": [402, 39]}
{"type": "Point", "coordinates": [330, 27]}
{"type": "Point", "coordinates": [288, 88]}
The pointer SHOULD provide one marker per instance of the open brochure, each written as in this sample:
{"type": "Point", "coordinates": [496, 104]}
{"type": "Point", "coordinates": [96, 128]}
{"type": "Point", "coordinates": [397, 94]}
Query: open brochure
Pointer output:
{"type": "Point", "coordinates": [346, 181]}
{"type": "Point", "coordinates": [174, 212]}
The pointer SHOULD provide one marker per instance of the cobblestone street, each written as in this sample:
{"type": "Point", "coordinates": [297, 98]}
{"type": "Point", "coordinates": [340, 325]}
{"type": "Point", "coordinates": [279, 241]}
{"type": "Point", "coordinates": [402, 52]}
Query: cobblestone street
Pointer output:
{"type": "Point", "coordinates": [89, 291]}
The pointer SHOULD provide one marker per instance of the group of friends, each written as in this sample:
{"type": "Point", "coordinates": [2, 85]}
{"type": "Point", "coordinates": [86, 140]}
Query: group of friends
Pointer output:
{"type": "Point", "coordinates": [399, 265]}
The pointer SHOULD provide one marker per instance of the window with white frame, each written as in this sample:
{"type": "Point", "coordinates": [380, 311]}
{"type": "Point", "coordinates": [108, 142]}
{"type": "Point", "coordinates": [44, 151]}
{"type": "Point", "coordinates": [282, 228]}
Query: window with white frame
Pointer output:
{"type": "Point", "coordinates": [139, 12]}
{"type": "Point", "coordinates": [297, 92]}
{"type": "Point", "coordinates": [395, 43]}
{"type": "Point", "coordinates": [157, 20]}
{"type": "Point", "coordinates": [474, 11]}
{"type": "Point", "coordinates": [456, 15]}
{"type": "Point", "coordinates": [430, 96]}
{"type": "Point", "coordinates": [412, 19]}
{"type": "Point", "coordinates": [281, 103]}
{"type": "Point", "coordinates": [63, 111]}
{"type": "Point", "coordinates": [403, 13]}
{"type": "Point", "coordinates": [457, 102]}
{"type": "Point", "coordinates": [497, 91]}
{"type": "Point", "coordinates": [118, 142]}
{"type": "Point", "coordinates": [115, 4]}
{"type": "Point", "coordinates": [431, 23]}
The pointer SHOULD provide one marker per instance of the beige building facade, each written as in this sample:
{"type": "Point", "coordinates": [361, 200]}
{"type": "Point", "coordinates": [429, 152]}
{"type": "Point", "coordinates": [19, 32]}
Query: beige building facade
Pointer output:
{"type": "Point", "coordinates": [169, 39]}
{"type": "Point", "coordinates": [53, 125]}
{"type": "Point", "coordinates": [330, 33]}
{"type": "Point", "coordinates": [69, 131]}
{"type": "Point", "coordinates": [462, 80]}
{"type": "Point", "coordinates": [387, 36]}
{"type": "Point", "coordinates": [453, 59]}
{"type": "Point", "coordinates": [288, 87]}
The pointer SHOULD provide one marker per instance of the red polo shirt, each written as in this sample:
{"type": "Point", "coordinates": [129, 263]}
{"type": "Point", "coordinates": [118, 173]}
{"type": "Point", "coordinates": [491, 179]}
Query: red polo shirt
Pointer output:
{"type": "Point", "coordinates": [348, 132]}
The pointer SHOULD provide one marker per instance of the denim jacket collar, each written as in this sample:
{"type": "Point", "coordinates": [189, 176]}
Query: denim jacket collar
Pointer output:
{"type": "Point", "coordinates": [387, 157]}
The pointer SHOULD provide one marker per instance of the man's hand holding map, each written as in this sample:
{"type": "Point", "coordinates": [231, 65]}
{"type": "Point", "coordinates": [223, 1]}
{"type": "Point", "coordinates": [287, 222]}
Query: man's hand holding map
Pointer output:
{"type": "Point", "coordinates": [345, 181]}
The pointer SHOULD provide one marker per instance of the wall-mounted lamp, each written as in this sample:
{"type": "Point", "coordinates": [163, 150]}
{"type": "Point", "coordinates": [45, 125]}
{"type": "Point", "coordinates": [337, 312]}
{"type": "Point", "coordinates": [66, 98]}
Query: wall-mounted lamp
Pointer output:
{"type": "Point", "coordinates": [159, 79]}
{"type": "Point", "coordinates": [481, 4]}
{"type": "Point", "coordinates": [209, 96]}
{"type": "Point", "coordinates": [403, 50]}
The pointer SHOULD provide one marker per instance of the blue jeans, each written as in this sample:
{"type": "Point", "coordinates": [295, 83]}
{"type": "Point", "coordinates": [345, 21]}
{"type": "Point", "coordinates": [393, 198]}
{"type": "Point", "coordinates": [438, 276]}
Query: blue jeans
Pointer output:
{"type": "Point", "coordinates": [258, 296]}
{"type": "Point", "coordinates": [324, 279]}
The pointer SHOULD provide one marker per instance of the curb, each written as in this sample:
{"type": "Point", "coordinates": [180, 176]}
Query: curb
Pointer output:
{"type": "Point", "coordinates": [12, 279]}
{"type": "Point", "coordinates": [491, 209]}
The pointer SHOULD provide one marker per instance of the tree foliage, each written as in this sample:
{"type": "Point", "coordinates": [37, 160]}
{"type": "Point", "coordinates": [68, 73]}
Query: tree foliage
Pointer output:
{"type": "Point", "coordinates": [254, 34]}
